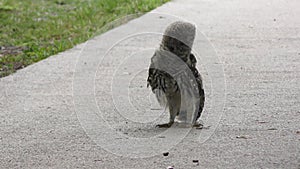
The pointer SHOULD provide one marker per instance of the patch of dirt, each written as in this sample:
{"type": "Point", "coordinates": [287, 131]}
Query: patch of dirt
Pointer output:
{"type": "Point", "coordinates": [11, 50]}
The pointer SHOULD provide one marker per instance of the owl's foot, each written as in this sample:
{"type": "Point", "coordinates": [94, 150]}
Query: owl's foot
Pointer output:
{"type": "Point", "coordinates": [198, 124]}
{"type": "Point", "coordinates": [165, 125]}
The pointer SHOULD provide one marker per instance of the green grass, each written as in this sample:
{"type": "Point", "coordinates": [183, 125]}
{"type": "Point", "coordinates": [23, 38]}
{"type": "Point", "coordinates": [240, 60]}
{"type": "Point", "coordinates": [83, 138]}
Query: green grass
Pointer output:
{"type": "Point", "coordinates": [32, 30]}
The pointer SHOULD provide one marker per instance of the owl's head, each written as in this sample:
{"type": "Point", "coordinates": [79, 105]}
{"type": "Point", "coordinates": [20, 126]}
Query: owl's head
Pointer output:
{"type": "Point", "coordinates": [178, 38]}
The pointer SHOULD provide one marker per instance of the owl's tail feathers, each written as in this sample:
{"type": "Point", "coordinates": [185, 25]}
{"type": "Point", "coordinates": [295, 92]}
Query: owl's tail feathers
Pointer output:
{"type": "Point", "coordinates": [161, 98]}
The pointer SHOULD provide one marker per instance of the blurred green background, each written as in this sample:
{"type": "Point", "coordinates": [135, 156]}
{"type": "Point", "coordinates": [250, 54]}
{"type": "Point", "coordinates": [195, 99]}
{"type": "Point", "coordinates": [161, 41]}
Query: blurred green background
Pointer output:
{"type": "Point", "coordinates": [31, 30]}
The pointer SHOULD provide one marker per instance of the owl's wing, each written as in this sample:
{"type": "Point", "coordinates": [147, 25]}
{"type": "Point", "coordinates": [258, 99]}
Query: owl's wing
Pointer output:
{"type": "Point", "coordinates": [159, 79]}
{"type": "Point", "coordinates": [199, 83]}
{"type": "Point", "coordinates": [155, 77]}
{"type": "Point", "coordinates": [161, 83]}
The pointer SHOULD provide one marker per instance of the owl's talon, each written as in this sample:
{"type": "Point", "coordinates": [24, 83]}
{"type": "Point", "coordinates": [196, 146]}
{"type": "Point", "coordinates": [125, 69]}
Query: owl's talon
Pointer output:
{"type": "Point", "coordinates": [198, 125]}
{"type": "Point", "coordinates": [165, 125]}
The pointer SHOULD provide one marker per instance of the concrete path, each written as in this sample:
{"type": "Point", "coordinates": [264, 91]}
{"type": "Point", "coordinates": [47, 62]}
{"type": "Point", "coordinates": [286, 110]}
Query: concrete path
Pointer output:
{"type": "Point", "coordinates": [89, 107]}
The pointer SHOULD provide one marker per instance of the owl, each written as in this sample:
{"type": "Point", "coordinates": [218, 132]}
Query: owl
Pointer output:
{"type": "Point", "coordinates": [173, 76]}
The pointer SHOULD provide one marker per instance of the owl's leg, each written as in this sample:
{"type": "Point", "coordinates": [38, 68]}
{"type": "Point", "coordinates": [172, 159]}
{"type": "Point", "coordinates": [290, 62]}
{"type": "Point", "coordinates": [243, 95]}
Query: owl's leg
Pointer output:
{"type": "Point", "coordinates": [173, 114]}
{"type": "Point", "coordinates": [174, 108]}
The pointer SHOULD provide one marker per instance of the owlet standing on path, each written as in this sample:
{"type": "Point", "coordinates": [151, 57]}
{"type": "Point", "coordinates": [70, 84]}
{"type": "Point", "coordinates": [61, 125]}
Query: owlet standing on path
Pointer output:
{"type": "Point", "coordinates": [173, 75]}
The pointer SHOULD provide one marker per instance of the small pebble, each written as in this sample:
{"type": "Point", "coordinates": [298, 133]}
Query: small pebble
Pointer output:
{"type": "Point", "coordinates": [196, 162]}
{"type": "Point", "coordinates": [170, 167]}
{"type": "Point", "coordinates": [166, 153]}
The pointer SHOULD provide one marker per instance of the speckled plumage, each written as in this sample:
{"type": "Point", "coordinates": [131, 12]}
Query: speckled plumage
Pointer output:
{"type": "Point", "coordinates": [178, 40]}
